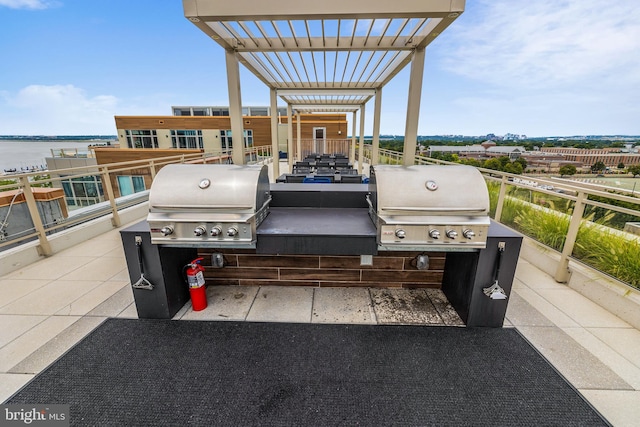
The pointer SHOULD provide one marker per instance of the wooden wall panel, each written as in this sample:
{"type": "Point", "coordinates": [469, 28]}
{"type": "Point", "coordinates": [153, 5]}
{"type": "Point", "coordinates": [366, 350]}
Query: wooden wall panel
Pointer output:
{"type": "Point", "coordinates": [389, 269]}
{"type": "Point", "coordinates": [115, 155]}
{"type": "Point", "coordinates": [260, 125]}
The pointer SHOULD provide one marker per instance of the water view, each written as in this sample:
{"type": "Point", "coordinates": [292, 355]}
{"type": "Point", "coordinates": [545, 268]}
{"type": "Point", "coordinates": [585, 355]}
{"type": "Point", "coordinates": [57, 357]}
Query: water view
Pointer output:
{"type": "Point", "coordinates": [25, 154]}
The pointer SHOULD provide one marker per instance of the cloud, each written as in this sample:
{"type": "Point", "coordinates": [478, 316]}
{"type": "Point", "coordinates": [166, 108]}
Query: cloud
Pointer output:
{"type": "Point", "coordinates": [57, 109]}
{"type": "Point", "coordinates": [546, 43]}
{"type": "Point", "coordinates": [28, 4]}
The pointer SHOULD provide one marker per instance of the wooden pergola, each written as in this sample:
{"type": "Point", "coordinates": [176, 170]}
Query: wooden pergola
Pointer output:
{"type": "Point", "coordinates": [328, 56]}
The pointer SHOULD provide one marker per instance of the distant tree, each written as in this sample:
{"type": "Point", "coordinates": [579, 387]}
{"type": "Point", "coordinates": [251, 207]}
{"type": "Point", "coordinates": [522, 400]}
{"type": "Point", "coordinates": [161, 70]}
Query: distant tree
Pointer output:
{"type": "Point", "coordinates": [492, 164]}
{"type": "Point", "coordinates": [8, 182]}
{"type": "Point", "coordinates": [504, 160]}
{"type": "Point", "coordinates": [620, 165]}
{"type": "Point", "coordinates": [522, 161]}
{"type": "Point", "coordinates": [598, 167]}
{"type": "Point", "coordinates": [567, 170]}
{"type": "Point", "coordinates": [514, 167]}
{"type": "Point", "coordinates": [42, 178]}
{"type": "Point", "coordinates": [634, 170]}
{"type": "Point", "coordinates": [471, 162]}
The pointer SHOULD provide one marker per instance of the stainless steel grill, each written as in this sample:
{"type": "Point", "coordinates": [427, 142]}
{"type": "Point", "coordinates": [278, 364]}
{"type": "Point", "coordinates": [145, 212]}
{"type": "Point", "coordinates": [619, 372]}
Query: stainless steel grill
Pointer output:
{"type": "Point", "coordinates": [208, 205]}
{"type": "Point", "coordinates": [429, 207]}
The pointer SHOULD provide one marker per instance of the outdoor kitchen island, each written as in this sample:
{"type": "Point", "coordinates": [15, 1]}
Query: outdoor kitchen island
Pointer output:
{"type": "Point", "coordinates": [365, 235]}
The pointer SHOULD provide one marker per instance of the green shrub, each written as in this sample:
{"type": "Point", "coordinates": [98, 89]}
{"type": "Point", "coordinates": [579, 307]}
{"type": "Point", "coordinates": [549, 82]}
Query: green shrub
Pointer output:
{"type": "Point", "coordinates": [606, 251]}
{"type": "Point", "coordinates": [549, 228]}
{"type": "Point", "coordinates": [610, 253]}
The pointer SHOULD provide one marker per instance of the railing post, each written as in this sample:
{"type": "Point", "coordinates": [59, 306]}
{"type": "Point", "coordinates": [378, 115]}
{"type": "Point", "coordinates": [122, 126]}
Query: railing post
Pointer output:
{"type": "Point", "coordinates": [45, 246]}
{"type": "Point", "coordinates": [106, 178]}
{"type": "Point", "coordinates": [152, 170]}
{"type": "Point", "coordinates": [501, 196]}
{"type": "Point", "coordinates": [562, 273]}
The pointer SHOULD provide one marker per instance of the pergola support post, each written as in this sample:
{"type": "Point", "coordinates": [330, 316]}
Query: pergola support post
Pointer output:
{"type": "Point", "coordinates": [298, 135]}
{"type": "Point", "coordinates": [413, 107]}
{"type": "Point", "coordinates": [235, 107]}
{"type": "Point", "coordinates": [290, 136]}
{"type": "Point", "coordinates": [352, 152]}
{"type": "Point", "coordinates": [361, 144]}
{"type": "Point", "coordinates": [275, 149]}
{"type": "Point", "coordinates": [375, 144]}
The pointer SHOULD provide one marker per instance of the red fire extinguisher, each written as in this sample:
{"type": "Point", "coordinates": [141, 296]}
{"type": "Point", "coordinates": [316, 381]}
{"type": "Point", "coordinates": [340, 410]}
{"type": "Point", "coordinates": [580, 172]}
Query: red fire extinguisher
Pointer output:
{"type": "Point", "coordinates": [195, 280]}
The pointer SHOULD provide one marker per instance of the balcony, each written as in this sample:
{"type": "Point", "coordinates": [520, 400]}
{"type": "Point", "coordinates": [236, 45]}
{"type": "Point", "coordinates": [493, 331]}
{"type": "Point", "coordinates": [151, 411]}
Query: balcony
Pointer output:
{"type": "Point", "coordinates": [586, 328]}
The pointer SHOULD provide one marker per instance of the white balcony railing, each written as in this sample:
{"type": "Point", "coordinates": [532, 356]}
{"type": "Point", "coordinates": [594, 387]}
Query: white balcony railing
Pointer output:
{"type": "Point", "coordinates": [579, 223]}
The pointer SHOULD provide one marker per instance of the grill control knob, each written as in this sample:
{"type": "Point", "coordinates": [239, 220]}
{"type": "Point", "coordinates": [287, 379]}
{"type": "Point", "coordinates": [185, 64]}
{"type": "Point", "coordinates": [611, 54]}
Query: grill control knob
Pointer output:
{"type": "Point", "coordinates": [232, 232]}
{"type": "Point", "coordinates": [452, 234]}
{"type": "Point", "coordinates": [200, 231]}
{"type": "Point", "coordinates": [216, 231]}
{"type": "Point", "coordinates": [469, 234]}
{"type": "Point", "coordinates": [166, 230]}
{"type": "Point", "coordinates": [401, 234]}
{"type": "Point", "coordinates": [434, 234]}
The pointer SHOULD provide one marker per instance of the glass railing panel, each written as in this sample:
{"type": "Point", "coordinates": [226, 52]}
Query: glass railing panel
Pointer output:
{"type": "Point", "coordinates": [541, 216]}
{"type": "Point", "coordinates": [609, 238]}
{"type": "Point", "coordinates": [608, 232]}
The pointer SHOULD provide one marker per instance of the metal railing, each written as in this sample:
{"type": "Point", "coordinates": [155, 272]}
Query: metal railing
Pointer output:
{"type": "Point", "coordinates": [321, 146]}
{"type": "Point", "coordinates": [258, 154]}
{"type": "Point", "coordinates": [580, 222]}
{"type": "Point", "coordinates": [22, 187]}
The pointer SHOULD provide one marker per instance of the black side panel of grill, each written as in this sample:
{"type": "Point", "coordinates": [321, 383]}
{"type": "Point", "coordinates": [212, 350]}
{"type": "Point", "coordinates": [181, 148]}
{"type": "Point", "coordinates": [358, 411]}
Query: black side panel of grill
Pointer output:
{"type": "Point", "coordinates": [162, 267]}
{"type": "Point", "coordinates": [467, 274]}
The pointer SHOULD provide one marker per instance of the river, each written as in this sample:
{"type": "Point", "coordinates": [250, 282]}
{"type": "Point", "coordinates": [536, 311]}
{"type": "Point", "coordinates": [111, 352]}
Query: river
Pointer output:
{"type": "Point", "coordinates": [23, 153]}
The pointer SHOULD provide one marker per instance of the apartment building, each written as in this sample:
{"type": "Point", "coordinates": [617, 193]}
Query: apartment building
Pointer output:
{"type": "Point", "coordinates": [611, 157]}
{"type": "Point", "coordinates": [209, 128]}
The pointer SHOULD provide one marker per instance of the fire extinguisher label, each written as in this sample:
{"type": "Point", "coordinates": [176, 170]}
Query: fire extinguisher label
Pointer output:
{"type": "Point", "coordinates": [197, 280]}
{"type": "Point", "coordinates": [200, 278]}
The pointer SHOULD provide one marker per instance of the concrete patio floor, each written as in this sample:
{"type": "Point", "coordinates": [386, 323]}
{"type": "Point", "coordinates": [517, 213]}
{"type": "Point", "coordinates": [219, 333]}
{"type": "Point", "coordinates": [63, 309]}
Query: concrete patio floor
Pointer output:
{"type": "Point", "coordinates": [47, 307]}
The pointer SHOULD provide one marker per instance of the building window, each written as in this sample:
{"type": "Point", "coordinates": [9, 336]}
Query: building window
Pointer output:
{"type": "Point", "coordinates": [142, 138]}
{"type": "Point", "coordinates": [227, 141]}
{"type": "Point", "coordinates": [187, 139]}
{"type": "Point", "coordinates": [182, 111]}
{"type": "Point", "coordinates": [200, 111]}
{"type": "Point", "coordinates": [258, 111]}
{"type": "Point", "coordinates": [219, 111]}
{"type": "Point", "coordinates": [130, 184]}
{"type": "Point", "coordinates": [83, 191]}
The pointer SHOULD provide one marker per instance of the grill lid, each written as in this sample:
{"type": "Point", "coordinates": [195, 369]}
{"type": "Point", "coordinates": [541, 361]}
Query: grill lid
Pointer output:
{"type": "Point", "coordinates": [426, 207]}
{"type": "Point", "coordinates": [455, 190]}
{"type": "Point", "coordinates": [208, 205]}
{"type": "Point", "coordinates": [209, 189]}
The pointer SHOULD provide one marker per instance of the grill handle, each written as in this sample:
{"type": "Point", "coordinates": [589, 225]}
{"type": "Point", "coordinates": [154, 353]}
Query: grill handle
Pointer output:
{"type": "Point", "coordinates": [368, 198]}
{"type": "Point", "coordinates": [426, 209]}
{"type": "Point", "coordinates": [214, 207]}
{"type": "Point", "coordinates": [189, 207]}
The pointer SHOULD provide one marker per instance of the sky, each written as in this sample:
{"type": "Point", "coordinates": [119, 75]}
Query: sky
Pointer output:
{"type": "Point", "coordinates": [539, 68]}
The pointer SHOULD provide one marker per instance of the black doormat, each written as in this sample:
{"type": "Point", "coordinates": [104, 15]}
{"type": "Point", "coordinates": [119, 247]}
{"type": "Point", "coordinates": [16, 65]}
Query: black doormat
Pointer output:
{"type": "Point", "coordinates": [174, 373]}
